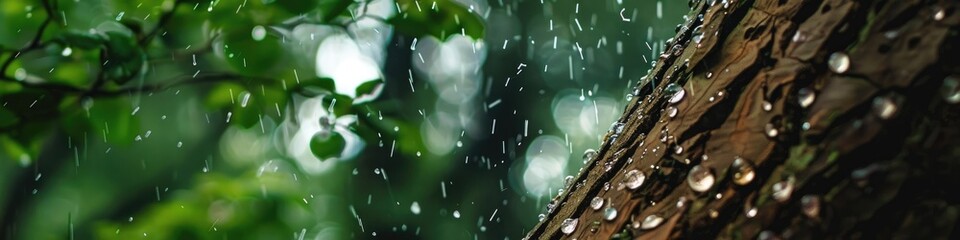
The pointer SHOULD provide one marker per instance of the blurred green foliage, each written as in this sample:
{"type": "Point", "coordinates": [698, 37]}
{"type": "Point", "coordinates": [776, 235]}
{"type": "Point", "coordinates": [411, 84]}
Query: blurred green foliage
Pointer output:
{"type": "Point", "coordinates": [166, 119]}
{"type": "Point", "coordinates": [77, 73]}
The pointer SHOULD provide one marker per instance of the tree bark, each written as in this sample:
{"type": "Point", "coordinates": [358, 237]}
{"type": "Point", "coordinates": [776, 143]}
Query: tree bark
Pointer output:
{"type": "Point", "coordinates": [775, 135]}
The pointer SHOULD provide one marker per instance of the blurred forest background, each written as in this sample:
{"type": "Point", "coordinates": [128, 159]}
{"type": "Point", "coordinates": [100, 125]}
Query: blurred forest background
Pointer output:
{"type": "Point", "coordinates": [320, 119]}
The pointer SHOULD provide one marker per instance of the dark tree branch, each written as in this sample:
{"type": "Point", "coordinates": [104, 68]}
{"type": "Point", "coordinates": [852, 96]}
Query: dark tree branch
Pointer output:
{"type": "Point", "coordinates": [35, 43]}
{"type": "Point", "coordinates": [97, 92]}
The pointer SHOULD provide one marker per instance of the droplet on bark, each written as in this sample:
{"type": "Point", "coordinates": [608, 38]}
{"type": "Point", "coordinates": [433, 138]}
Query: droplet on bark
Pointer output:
{"type": "Point", "coordinates": [839, 62]}
{"type": "Point", "coordinates": [569, 225]}
{"type": "Point", "coordinates": [743, 171]}
{"type": "Point", "coordinates": [806, 97]}
{"type": "Point", "coordinates": [700, 179]}
{"type": "Point", "coordinates": [633, 179]}
{"type": "Point", "coordinates": [651, 221]}
{"type": "Point", "coordinates": [596, 203]}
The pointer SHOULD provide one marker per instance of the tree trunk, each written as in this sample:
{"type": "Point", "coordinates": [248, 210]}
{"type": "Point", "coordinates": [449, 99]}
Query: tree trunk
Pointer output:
{"type": "Point", "coordinates": [784, 119]}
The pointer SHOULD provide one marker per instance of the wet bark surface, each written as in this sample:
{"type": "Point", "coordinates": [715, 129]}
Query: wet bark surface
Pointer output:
{"type": "Point", "coordinates": [784, 119]}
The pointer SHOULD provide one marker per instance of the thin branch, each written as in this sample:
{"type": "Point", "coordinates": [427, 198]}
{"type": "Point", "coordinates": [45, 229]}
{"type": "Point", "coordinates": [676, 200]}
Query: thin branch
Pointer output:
{"type": "Point", "coordinates": [179, 81]}
{"type": "Point", "coordinates": [164, 19]}
{"type": "Point", "coordinates": [35, 43]}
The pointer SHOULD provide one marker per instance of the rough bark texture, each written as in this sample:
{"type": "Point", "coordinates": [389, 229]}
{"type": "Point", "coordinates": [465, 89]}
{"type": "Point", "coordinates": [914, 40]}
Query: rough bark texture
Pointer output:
{"type": "Point", "coordinates": [873, 155]}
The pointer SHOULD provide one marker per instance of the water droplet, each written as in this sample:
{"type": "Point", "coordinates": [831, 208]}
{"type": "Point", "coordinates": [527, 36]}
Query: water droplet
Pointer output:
{"type": "Point", "coordinates": [678, 149]}
{"type": "Point", "coordinates": [767, 106]}
{"type": "Point", "coordinates": [709, 75]}
{"type": "Point", "coordinates": [609, 213]}
{"type": "Point", "coordinates": [541, 216]}
{"type": "Point", "coordinates": [783, 189]}
{"type": "Point", "coordinates": [415, 208]}
{"type": "Point", "coordinates": [839, 62]}
{"type": "Point", "coordinates": [376, 171]}
{"type": "Point", "coordinates": [672, 88]}
{"type": "Point", "coordinates": [677, 96]}
{"type": "Point", "coordinates": [634, 178]}
{"type": "Point", "coordinates": [244, 99]}
{"type": "Point", "coordinates": [951, 90]}
{"type": "Point", "coordinates": [66, 51]}
{"type": "Point", "coordinates": [940, 14]}
{"type": "Point", "coordinates": [743, 171]}
{"type": "Point", "coordinates": [771, 130]}
{"type": "Point", "coordinates": [596, 203]}
{"type": "Point", "coordinates": [651, 222]}
{"type": "Point", "coordinates": [567, 180]}
{"type": "Point", "coordinates": [20, 74]}
{"type": "Point", "coordinates": [681, 202]}
{"type": "Point", "coordinates": [810, 205]}
{"type": "Point", "coordinates": [456, 214]}
{"type": "Point", "coordinates": [119, 16]}
{"type": "Point", "coordinates": [569, 225]}
{"type": "Point", "coordinates": [672, 111]}
{"type": "Point", "coordinates": [258, 33]}
{"type": "Point", "coordinates": [588, 155]}
{"type": "Point", "coordinates": [752, 212]}
{"type": "Point", "coordinates": [179, 144]}
{"type": "Point", "coordinates": [806, 97]}
{"type": "Point", "coordinates": [884, 107]}
{"type": "Point", "coordinates": [799, 36]}
{"type": "Point", "coordinates": [700, 178]}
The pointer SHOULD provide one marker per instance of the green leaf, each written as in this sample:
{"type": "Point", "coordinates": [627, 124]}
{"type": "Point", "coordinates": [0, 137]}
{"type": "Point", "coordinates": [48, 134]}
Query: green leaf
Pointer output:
{"type": "Point", "coordinates": [327, 145]}
{"type": "Point", "coordinates": [111, 120]}
{"type": "Point", "coordinates": [341, 106]}
{"type": "Point", "coordinates": [318, 86]}
{"type": "Point", "coordinates": [125, 58]}
{"type": "Point", "coordinates": [369, 91]}
{"type": "Point", "coordinates": [448, 18]}
{"type": "Point", "coordinates": [7, 118]}
{"type": "Point", "coordinates": [14, 150]}
{"type": "Point", "coordinates": [82, 39]}
{"type": "Point", "coordinates": [249, 55]}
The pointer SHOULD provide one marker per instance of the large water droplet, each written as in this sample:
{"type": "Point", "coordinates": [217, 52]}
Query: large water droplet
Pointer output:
{"type": "Point", "coordinates": [596, 203]}
{"type": "Point", "coordinates": [415, 208]}
{"type": "Point", "coordinates": [258, 33]}
{"type": "Point", "coordinates": [743, 171]}
{"type": "Point", "coordinates": [609, 213]}
{"type": "Point", "coordinates": [675, 91]}
{"type": "Point", "coordinates": [677, 96]}
{"type": "Point", "coordinates": [634, 178]}
{"type": "Point", "coordinates": [767, 106]}
{"type": "Point", "coordinates": [752, 212]}
{"type": "Point", "coordinates": [806, 97]}
{"type": "Point", "coordinates": [651, 222]}
{"type": "Point", "coordinates": [884, 107]}
{"type": "Point", "coordinates": [588, 155]}
{"type": "Point", "coordinates": [810, 205]}
{"type": "Point", "coordinates": [672, 88]}
{"type": "Point", "coordinates": [839, 62]}
{"type": "Point", "coordinates": [951, 90]}
{"type": "Point", "coordinates": [771, 130]}
{"type": "Point", "coordinates": [700, 178]}
{"type": "Point", "coordinates": [783, 189]}
{"type": "Point", "coordinates": [672, 111]}
{"type": "Point", "coordinates": [569, 225]}
{"type": "Point", "coordinates": [939, 14]}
